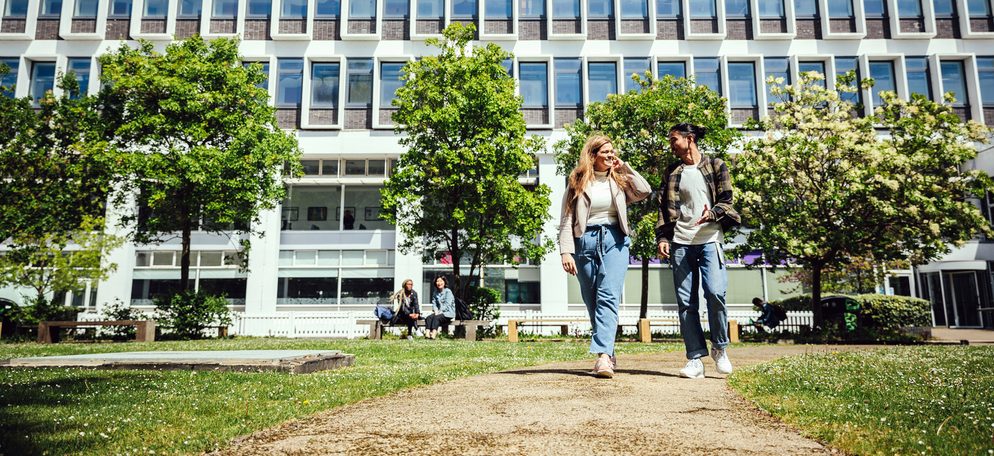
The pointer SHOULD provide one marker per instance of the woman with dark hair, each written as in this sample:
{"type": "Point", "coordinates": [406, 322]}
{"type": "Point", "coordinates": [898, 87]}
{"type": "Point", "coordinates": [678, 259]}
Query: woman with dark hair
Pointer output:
{"type": "Point", "coordinates": [593, 238]}
{"type": "Point", "coordinates": [443, 308]}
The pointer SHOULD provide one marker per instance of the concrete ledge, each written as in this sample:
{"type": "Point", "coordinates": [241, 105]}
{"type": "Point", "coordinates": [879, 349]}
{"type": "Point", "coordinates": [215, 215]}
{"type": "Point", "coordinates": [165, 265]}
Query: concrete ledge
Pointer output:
{"type": "Point", "coordinates": [291, 361]}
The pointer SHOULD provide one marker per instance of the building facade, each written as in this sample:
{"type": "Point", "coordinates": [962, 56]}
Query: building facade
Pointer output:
{"type": "Point", "coordinates": [333, 68]}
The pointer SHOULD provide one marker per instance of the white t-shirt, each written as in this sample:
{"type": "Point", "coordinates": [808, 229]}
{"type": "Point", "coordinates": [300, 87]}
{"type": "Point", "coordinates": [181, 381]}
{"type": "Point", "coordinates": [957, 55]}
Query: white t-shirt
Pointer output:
{"type": "Point", "coordinates": [694, 196]}
{"type": "Point", "coordinates": [602, 208]}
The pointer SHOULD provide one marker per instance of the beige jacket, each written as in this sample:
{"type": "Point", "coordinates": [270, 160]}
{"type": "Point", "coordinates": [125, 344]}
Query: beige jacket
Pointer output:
{"type": "Point", "coordinates": [573, 225]}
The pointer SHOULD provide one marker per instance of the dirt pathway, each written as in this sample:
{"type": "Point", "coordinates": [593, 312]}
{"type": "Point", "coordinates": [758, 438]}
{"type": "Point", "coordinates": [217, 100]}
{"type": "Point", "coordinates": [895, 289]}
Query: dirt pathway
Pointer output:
{"type": "Point", "coordinates": [553, 409]}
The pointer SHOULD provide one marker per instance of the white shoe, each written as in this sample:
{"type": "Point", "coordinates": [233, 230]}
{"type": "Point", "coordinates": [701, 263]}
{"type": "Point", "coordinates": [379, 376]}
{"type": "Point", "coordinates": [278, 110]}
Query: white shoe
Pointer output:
{"type": "Point", "coordinates": [721, 361]}
{"type": "Point", "coordinates": [694, 369]}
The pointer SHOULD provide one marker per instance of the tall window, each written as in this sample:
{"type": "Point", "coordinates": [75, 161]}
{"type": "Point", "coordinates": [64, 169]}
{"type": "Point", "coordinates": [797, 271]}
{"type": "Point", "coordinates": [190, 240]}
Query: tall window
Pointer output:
{"type": "Point", "coordinates": [954, 80]}
{"type": "Point", "coordinates": [806, 8]}
{"type": "Point", "coordinates": [882, 73]}
{"type": "Point", "coordinates": [120, 8]}
{"type": "Point", "coordinates": [225, 8]}
{"type": "Point", "coordinates": [668, 9]}
{"type": "Point", "coordinates": [703, 9]}
{"type": "Point", "coordinates": [52, 8]}
{"type": "Point", "coordinates": [532, 8]}
{"type": "Point", "coordinates": [844, 65]}
{"type": "Point", "coordinates": [909, 8]}
{"type": "Point", "coordinates": [263, 8]}
{"type": "Point", "coordinates": [362, 9]}
{"type": "Point", "coordinates": [534, 84]}
{"type": "Point", "coordinates": [568, 83]}
{"type": "Point", "coordinates": [431, 9]}
{"type": "Point", "coordinates": [778, 67]}
{"type": "Point", "coordinates": [293, 9]}
{"type": "Point", "coordinates": [708, 73]}
{"type": "Point", "coordinates": [985, 71]}
{"type": "Point", "coordinates": [742, 85]}
{"type": "Point", "coordinates": [638, 66]}
{"type": "Point", "coordinates": [8, 80]}
{"type": "Point", "coordinates": [86, 8]}
{"type": "Point", "coordinates": [395, 8]}
{"type": "Point", "coordinates": [736, 8]}
{"type": "Point", "coordinates": [15, 8]}
{"type": "Point", "coordinates": [565, 9]}
{"type": "Point", "coordinates": [389, 82]}
{"type": "Point", "coordinates": [874, 8]}
{"type": "Point", "coordinates": [190, 8]}
{"type": "Point", "coordinates": [499, 9]}
{"type": "Point", "coordinates": [943, 8]}
{"type": "Point", "coordinates": [840, 9]}
{"type": "Point", "coordinates": [464, 9]}
{"type": "Point", "coordinates": [80, 67]}
{"type": "Point", "coordinates": [324, 84]}
{"type": "Point", "coordinates": [603, 77]}
{"type": "Point", "coordinates": [289, 82]}
{"type": "Point", "coordinates": [634, 9]}
{"type": "Point", "coordinates": [918, 76]}
{"type": "Point", "coordinates": [360, 82]}
{"type": "Point", "coordinates": [978, 8]}
{"type": "Point", "coordinates": [156, 8]}
{"type": "Point", "coordinates": [675, 69]}
{"type": "Point", "coordinates": [771, 9]}
{"type": "Point", "coordinates": [42, 80]}
{"type": "Point", "coordinates": [813, 67]}
{"type": "Point", "coordinates": [264, 84]}
{"type": "Point", "coordinates": [600, 9]}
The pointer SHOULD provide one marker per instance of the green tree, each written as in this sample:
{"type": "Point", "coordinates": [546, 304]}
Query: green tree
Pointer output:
{"type": "Point", "coordinates": [639, 122]}
{"type": "Point", "coordinates": [200, 141]}
{"type": "Point", "coordinates": [456, 187]}
{"type": "Point", "coordinates": [823, 190]}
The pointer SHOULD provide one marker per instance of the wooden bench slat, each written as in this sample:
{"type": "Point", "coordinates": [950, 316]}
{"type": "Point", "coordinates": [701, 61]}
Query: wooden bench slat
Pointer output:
{"type": "Point", "coordinates": [145, 329]}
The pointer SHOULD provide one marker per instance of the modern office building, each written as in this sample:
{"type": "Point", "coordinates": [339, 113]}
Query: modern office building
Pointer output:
{"type": "Point", "coordinates": [333, 66]}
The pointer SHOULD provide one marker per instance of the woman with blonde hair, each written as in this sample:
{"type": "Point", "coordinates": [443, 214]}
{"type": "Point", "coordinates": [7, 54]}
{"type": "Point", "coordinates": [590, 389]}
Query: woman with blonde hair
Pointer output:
{"type": "Point", "coordinates": [405, 307]}
{"type": "Point", "coordinates": [593, 238]}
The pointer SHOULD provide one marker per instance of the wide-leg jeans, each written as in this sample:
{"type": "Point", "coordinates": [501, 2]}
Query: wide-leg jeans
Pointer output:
{"type": "Point", "coordinates": [601, 263]}
{"type": "Point", "coordinates": [700, 266]}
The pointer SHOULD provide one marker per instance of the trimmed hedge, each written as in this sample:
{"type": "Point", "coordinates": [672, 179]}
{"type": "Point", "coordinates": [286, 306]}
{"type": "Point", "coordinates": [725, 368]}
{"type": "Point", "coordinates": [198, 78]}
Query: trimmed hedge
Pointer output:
{"type": "Point", "coordinates": [880, 318]}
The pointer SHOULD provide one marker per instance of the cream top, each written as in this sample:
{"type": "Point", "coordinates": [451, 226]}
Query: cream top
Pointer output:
{"type": "Point", "coordinates": [603, 210]}
{"type": "Point", "coordinates": [694, 197]}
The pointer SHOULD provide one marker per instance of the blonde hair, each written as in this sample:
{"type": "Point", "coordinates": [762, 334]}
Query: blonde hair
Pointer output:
{"type": "Point", "coordinates": [583, 174]}
{"type": "Point", "coordinates": [400, 293]}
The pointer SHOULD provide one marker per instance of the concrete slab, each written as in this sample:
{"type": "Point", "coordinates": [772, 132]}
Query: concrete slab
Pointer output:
{"type": "Point", "coordinates": [293, 361]}
{"type": "Point", "coordinates": [963, 336]}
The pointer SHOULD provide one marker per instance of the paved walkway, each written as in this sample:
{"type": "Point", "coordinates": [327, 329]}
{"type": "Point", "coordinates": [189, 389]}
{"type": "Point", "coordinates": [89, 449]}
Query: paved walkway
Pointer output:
{"type": "Point", "coordinates": [972, 335]}
{"type": "Point", "coordinates": [553, 409]}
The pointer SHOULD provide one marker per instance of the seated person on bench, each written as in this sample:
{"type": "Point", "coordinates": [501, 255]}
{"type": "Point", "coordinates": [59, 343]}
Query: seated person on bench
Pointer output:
{"type": "Point", "coordinates": [770, 315]}
{"type": "Point", "coordinates": [405, 307]}
{"type": "Point", "coordinates": [443, 307]}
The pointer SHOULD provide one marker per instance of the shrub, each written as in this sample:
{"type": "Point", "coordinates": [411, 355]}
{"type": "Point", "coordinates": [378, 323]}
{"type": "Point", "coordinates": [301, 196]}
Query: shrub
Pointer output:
{"type": "Point", "coordinates": [121, 311]}
{"type": "Point", "coordinates": [795, 303]}
{"type": "Point", "coordinates": [484, 305]}
{"type": "Point", "coordinates": [187, 314]}
{"type": "Point", "coordinates": [879, 318]}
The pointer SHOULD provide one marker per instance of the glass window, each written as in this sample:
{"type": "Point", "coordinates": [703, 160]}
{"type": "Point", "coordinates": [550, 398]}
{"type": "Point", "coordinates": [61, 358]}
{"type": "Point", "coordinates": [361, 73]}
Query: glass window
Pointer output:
{"type": "Point", "coordinates": [534, 84]}
{"type": "Point", "coordinates": [568, 83]}
{"type": "Point", "coordinates": [81, 68]}
{"type": "Point", "coordinates": [954, 80]}
{"type": "Point", "coordinates": [288, 86]}
{"type": "Point", "coordinates": [366, 291]}
{"type": "Point", "coordinates": [736, 8]}
{"type": "Point", "coordinates": [812, 67]}
{"type": "Point", "coordinates": [355, 167]}
{"type": "Point", "coordinates": [327, 8]}
{"type": "Point", "coordinates": [634, 9]}
{"type": "Point", "coordinates": [708, 73]}
{"type": "Point", "coordinates": [395, 8]}
{"type": "Point", "coordinates": [312, 208]}
{"type": "Point", "coordinates": [943, 7]}
{"type": "Point", "coordinates": [840, 9]}
{"type": "Point", "coordinates": [16, 8]}
{"type": "Point", "coordinates": [532, 8]}
{"type": "Point", "coordinates": [771, 9]}
{"type": "Point", "coordinates": [225, 8]}
{"type": "Point", "coordinates": [431, 9]}
{"type": "Point", "coordinates": [603, 80]}
{"type": "Point", "coordinates": [86, 8]}
{"type": "Point", "coordinates": [635, 66]}
{"type": "Point", "coordinates": [978, 8]}
{"type": "Point", "coordinates": [703, 9]}
{"type": "Point", "coordinates": [364, 204]}
{"type": "Point", "coordinates": [310, 167]}
{"type": "Point", "coordinates": [675, 69]}
{"type": "Point", "coordinates": [599, 9]}
{"type": "Point", "coordinates": [508, 66]}
{"type": "Point", "coordinates": [263, 8]}
{"type": "Point", "coordinates": [190, 8]}
{"type": "Point", "coordinates": [742, 85]}
{"type": "Point", "coordinates": [309, 290]}
{"type": "Point", "coordinates": [324, 84]}
{"type": "Point", "coordinates": [232, 289]}
{"type": "Point", "coordinates": [499, 9]}
{"type": "Point", "coordinates": [264, 84]}
{"type": "Point", "coordinates": [162, 258]}
{"type": "Point", "coordinates": [210, 259]}
{"type": "Point", "coordinates": [843, 65]}
{"type": "Point", "coordinates": [42, 80]}
{"type": "Point", "coordinates": [874, 8]}
{"type": "Point", "coordinates": [329, 167]}
{"type": "Point", "coordinates": [293, 9]}
{"type": "Point", "coordinates": [119, 8]}
{"type": "Point", "coordinates": [156, 8]}
{"type": "Point", "coordinates": [329, 257]}
{"type": "Point", "coordinates": [565, 9]}
{"type": "Point", "coordinates": [362, 9]}
{"type": "Point", "coordinates": [778, 67]}
{"type": "Point", "coordinates": [376, 168]}
{"type": "Point", "coordinates": [464, 8]}
{"type": "Point", "coordinates": [668, 8]}
{"type": "Point", "coordinates": [883, 76]}
{"type": "Point", "coordinates": [919, 80]}
{"type": "Point", "coordinates": [389, 82]}
{"type": "Point", "coordinates": [54, 8]}
{"type": "Point", "coordinates": [806, 8]}
{"type": "Point", "coordinates": [7, 80]}
{"type": "Point", "coordinates": [985, 71]}
{"type": "Point", "coordinates": [909, 8]}
{"type": "Point", "coordinates": [360, 82]}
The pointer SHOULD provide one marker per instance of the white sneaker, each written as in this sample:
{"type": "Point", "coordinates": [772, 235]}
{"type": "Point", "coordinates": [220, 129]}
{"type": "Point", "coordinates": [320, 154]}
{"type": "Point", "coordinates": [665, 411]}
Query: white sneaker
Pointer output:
{"type": "Point", "coordinates": [694, 369]}
{"type": "Point", "coordinates": [721, 361]}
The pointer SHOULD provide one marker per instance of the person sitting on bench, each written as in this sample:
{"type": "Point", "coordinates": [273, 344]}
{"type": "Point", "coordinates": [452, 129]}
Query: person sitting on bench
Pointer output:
{"type": "Point", "coordinates": [406, 309]}
{"type": "Point", "coordinates": [770, 315]}
{"type": "Point", "coordinates": [443, 307]}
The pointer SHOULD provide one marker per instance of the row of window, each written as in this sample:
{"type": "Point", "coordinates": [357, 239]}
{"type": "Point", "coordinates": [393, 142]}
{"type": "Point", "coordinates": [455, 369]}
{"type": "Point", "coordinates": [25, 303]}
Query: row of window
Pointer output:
{"type": "Point", "coordinates": [42, 76]}
{"type": "Point", "coordinates": [502, 9]}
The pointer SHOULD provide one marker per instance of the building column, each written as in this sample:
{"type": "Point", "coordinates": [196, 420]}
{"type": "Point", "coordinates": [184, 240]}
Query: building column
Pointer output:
{"type": "Point", "coordinates": [117, 286]}
{"type": "Point", "coordinates": [406, 265]}
{"type": "Point", "coordinates": [264, 259]}
{"type": "Point", "coordinates": [554, 280]}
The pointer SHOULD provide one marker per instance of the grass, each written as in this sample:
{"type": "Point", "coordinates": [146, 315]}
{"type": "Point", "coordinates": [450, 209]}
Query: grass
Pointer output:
{"type": "Point", "coordinates": [78, 411]}
{"type": "Point", "coordinates": [905, 400]}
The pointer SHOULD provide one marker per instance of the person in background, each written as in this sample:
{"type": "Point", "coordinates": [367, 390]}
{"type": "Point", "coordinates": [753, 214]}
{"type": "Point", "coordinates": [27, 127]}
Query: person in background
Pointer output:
{"type": "Point", "coordinates": [406, 308]}
{"type": "Point", "coordinates": [348, 220]}
{"type": "Point", "coordinates": [443, 307]}
{"type": "Point", "coordinates": [769, 316]}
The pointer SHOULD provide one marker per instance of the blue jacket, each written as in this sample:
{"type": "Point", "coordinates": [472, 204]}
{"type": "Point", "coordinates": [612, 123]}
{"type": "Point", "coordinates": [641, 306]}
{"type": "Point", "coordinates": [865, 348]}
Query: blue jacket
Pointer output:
{"type": "Point", "coordinates": [445, 302]}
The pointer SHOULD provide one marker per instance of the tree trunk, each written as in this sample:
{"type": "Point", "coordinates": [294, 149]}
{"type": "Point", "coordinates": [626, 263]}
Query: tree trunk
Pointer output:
{"type": "Point", "coordinates": [184, 265]}
{"type": "Point", "coordinates": [816, 309]}
{"type": "Point", "coordinates": [644, 307]}
{"type": "Point", "coordinates": [456, 286]}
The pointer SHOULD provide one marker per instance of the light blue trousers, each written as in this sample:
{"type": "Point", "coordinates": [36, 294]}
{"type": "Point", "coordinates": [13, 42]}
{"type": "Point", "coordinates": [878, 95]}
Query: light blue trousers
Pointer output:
{"type": "Point", "coordinates": [700, 266]}
{"type": "Point", "coordinates": [601, 263]}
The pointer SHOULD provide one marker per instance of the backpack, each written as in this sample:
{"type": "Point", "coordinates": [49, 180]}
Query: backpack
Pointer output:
{"type": "Point", "coordinates": [462, 310]}
{"type": "Point", "coordinates": [778, 312]}
{"type": "Point", "coordinates": [384, 313]}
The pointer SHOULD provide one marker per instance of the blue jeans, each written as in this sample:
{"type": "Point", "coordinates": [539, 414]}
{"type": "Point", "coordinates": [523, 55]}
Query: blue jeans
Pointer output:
{"type": "Point", "coordinates": [601, 263]}
{"type": "Point", "coordinates": [693, 266]}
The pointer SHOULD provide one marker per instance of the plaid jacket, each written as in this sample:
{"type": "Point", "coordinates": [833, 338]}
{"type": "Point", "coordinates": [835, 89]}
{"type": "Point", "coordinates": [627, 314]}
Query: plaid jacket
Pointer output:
{"type": "Point", "coordinates": [719, 183]}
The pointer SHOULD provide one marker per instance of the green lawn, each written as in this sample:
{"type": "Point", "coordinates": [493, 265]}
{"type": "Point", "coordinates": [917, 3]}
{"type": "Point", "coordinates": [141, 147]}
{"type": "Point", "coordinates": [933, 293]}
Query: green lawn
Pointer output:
{"type": "Point", "coordinates": [117, 412]}
{"type": "Point", "coordinates": [905, 400]}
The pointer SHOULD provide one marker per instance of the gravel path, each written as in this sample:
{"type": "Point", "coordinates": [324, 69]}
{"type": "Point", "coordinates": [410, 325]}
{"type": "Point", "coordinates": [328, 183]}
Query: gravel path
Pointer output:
{"type": "Point", "coordinates": [553, 409]}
